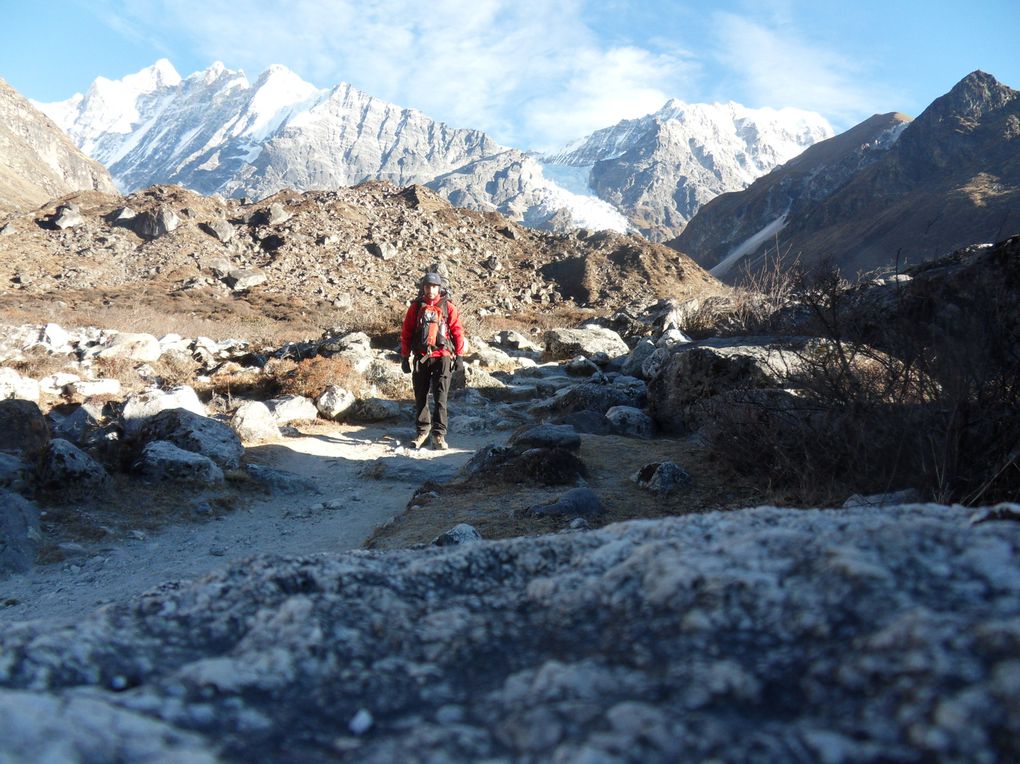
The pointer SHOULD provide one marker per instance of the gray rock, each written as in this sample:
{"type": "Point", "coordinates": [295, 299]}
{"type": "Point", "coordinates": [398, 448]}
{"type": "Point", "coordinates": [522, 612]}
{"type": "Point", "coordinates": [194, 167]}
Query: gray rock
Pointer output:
{"type": "Point", "coordinates": [334, 402]}
{"type": "Point", "coordinates": [383, 250]}
{"type": "Point", "coordinates": [545, 436]}
{"type": "Point", "coordinates": [219, 229]}
{"type": "Point", "coordinates": [592, 397]}
{"type": "Point", "coordinates": [635, 360]}
{"type": "Point", "coordinates": [196, 433]}
{"type": "Point", "coordinates": [19, 533]}
{"type": "Point", "coordinates": [143, 348]}
{"type": "Point", "coordinates": [55, 384]}
{"type": "Point", "coordinates": [373, 410]}
{"type": "Point", "coordinates": [662, 478]}
{"type": "Point", "coordinates": [13, 385]}
{"type": "Point", "coordinates": [164, 462]}
{"type": "Point", "coordinates": [906, 496]}
{"type": "Point", "coordinates": [462, 533]}
{"type": "Point", "coordinates": [15, 474]}
{"type": "Point", "coordinates": [139, 407]}
{"type": "Point", "coordinates": [74, 426]}
{"type": "Point", "coordinates": [281, 481]}
{"type": "Point", "coordinates": [67, 469]}
{"type": "Point", "coordinates": [67, 216]}
{"type": "Point", "coordinates": [631, 422]}
{"type": "Point", "coordinates": [87, 388]}
{"type": "Point", "coordinates": [152, 225]}
{"type": "Point", "coordinates": [254, 422]}
{"type": "Point", "coordinates": [577, 502]}
{"type": "Point", "coordinates": [291, 408]}
{"type": "Point", "coordinates": [23, 428]}
{"type": "Point", "coordinates": [275, 214]}
{"type": "Point", "coordinates": [752, 635]}
{"type": "Point", "coordinates": [244, 278]}
{"type": "Point", "coordinates": [580, 366]}
{"type": "Point", "coordinates": [561, 344]}
{"type": "Point", "coordinates": [709, 368]}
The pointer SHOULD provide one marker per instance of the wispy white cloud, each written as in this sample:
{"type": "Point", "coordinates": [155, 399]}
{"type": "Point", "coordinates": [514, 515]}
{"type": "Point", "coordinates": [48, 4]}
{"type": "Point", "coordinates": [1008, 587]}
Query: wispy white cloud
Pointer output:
{"type": "Point", "coordinates": [529, 72]}
{"type": "Point", "coordinates": [773, 63]}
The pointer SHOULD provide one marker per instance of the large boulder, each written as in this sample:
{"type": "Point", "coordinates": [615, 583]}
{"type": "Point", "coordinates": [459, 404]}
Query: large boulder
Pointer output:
{"type": "Point", "coordinates": [152, 225]}
{"type": "Point", "coordinates": [161, 461]}
{"type": "Point", "coordinates": [23, 427]}
{"type": "Point", "coordinates": [589, 341]}
{"type": "Point", "coordinates": [757, 635]}
{"type": "Point", "coordinates": [140, 407]}
{"type": "Point", "coordinates": [13, 385]}
{"type": "Point", "coordinates": [334, 402]}
{"type": "Point", "coordinates": [15, 473]}
{"type": "Point", "coordinates": [197, 433]}
{"type": "Point", "coordinates": [631, 422]}
{"type": "Point", "coordinates": [140, 347]}
{"type": "Point", "coordinates": [254, 422]}
{"type": "Point", "coordinates": [700, 371]}
{"type": "Point", "coordinates": [19, 533]}
{"type": "Point", "coordinates": [291, 408]}
{"type": "Point", "coordinates": [69, 471]}
{"type": "Point", "coordinates": [593, 396]}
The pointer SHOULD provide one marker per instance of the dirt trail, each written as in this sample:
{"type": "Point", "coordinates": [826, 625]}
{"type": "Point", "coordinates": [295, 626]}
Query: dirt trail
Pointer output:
{"type": "Point", "coordinates": [347, 480]}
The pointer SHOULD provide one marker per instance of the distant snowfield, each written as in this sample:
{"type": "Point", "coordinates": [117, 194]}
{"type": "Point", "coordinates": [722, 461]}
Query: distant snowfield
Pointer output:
{"type": "Point", "coordinates": [567, 187]}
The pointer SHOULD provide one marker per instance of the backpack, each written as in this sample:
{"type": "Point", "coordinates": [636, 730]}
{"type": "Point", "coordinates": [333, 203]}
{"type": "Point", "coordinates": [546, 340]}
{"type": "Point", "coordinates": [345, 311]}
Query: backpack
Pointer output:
{"type": "Point", "coordinates": [431, 326]}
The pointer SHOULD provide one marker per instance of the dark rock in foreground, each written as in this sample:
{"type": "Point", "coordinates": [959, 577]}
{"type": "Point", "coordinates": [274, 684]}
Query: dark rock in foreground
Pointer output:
{"type": "Point", "coordinates": [760, 635]}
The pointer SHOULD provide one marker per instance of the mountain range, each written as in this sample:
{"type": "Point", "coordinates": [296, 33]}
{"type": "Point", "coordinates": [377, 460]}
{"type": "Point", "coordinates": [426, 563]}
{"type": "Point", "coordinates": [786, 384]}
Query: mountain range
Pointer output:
{"type": "Point", "coordinates": [887, 193]}
{"type": "Point", "coordinates": [216, 132]}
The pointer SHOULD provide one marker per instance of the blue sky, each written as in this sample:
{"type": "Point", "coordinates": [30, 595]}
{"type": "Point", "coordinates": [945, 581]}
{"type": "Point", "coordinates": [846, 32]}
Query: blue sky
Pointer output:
{"type": "Point", "coordinates": [535, 73]}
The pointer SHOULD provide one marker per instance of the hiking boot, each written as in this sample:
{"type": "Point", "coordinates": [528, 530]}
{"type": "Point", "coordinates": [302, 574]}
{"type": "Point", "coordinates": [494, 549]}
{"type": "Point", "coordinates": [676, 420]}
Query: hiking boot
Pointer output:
{"type": "Point", "coordinates": [419, 439]}
{"type": "Point", "coordinates": [439, 443]}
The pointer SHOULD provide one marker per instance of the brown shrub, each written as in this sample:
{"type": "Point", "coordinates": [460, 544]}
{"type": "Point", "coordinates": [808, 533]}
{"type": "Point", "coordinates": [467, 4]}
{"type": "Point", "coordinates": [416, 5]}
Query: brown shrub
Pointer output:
{"type": "Point", "coordinates": [39, 362]}
{"type": "Point", "coordinates": [312, 376]}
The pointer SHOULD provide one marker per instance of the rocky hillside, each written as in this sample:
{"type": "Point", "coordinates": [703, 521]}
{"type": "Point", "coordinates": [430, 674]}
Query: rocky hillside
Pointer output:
{"type": "Point", "coordinates": [887, 193]}
{"type": "Point", "coordinates": [660, 169]}
{"type": "Point", "coordinates": [37, 161]}
{"type": "Point", "coordinates": [348, 257]}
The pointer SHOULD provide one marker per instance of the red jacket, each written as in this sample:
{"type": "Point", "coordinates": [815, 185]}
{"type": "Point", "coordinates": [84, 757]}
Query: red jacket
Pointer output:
{"type": "Point", "coordinates": [453, 322]}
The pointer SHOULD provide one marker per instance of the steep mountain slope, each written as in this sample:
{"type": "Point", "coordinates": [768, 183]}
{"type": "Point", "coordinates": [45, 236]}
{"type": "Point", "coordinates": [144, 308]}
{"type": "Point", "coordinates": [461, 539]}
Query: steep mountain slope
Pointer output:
{"type": "Point", "coordinates": [885, 193]}
{"type": "Point", "coordinates": [215, 132]}
{"type": "Point", "coordinates": [660, 169]}
{"type": "Point", "coordinates": [37, 161]}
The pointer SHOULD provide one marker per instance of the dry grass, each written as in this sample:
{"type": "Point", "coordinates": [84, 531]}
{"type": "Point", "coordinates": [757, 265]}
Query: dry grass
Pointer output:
{"type": "Point", "coordinates": [38, 363]}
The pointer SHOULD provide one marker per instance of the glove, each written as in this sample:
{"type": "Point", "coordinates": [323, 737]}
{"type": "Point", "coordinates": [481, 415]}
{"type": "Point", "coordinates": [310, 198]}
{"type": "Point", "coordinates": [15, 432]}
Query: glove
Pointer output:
{"type": "Point", "coordinates": [405, 364]}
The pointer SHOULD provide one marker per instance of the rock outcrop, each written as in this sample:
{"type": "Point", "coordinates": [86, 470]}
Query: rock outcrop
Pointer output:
{"type": "Point", "coordinates": [763, 634]}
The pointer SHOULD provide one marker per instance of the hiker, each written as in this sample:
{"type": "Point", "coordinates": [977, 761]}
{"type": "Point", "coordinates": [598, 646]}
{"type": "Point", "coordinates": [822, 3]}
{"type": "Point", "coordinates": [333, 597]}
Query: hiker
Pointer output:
{"type": "Point", "coordinates": [432, 335]}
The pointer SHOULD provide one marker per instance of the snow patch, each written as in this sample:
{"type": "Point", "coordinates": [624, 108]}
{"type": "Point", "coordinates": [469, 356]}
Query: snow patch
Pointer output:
{"type": "Point", "coordinates": [748, 246]}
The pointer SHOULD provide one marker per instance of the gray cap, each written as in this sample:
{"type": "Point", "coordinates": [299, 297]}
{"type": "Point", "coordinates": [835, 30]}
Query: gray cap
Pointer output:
{"type": "Point", "coordinates": [432, 278]}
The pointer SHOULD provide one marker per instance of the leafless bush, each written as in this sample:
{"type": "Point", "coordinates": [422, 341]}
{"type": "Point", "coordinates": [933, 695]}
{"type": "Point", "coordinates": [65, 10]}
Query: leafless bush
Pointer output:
{"type": "Point", "coordinates": [312, 376]}
{"type": "Point", "coordinates": [923, 392]}
{"type": "Point", "coordinates": [38, 362]}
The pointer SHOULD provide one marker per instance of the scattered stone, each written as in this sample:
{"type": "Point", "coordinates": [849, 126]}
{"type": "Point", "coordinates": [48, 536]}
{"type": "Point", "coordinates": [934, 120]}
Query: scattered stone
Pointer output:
{"type": "Point", "coordinates": [15, 386]}
{"type": "Point", "coordinates": [382, 250]}
{"type": "Point", "coordinates": [254, 423]}
{"type": "Point", "coordinates": [138, 407]}
{"type": "Point", "coordinates": [562, 344]}
{"type": "Point", "coordinates": [197, 433]}
{"type": "Point", "coordinates": [580, 367]}
{"type": "Point", "coordinates": [152, 225]}
{"type": "Point", "coordinates": [373, 410]}
{"type": "Point", "coordinates": [67, 469]}
{"type": "Point", "coordinates": [23, 428]}
{"type": "Point", "coordinates": [219, 229]}
{"type": "Point", "coordinates": [241, 279]}
{"type": "Point", "coordinates": [291, 408]}
{"type": "Point", "coordinates": [662, 478]}
{"type": "Point", "coordinates": [631, 422]}
{"type": "Point", "coordinates": [462, 533]}
{"type": "Point", "coordinates": [67, 216]}
{"type": "Point", "coordinates": [906, 496]}
{"type": "Point", "coordinates": [19, 535]}
{"type": "Point", "coordinates": [54, 384]}
{"type": "Point", "coordinates": [143, 348]}
{"type": "Point", "coordinates": [577, 502]}
{"type": "Point", "coordinates": [334, 402]}
{"type": "Point", "coordinates": [162, 461]}
{"type": "Point", "coordinates": [87, 388]}
{"type": "Point", "coordinates": [545, 436]}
